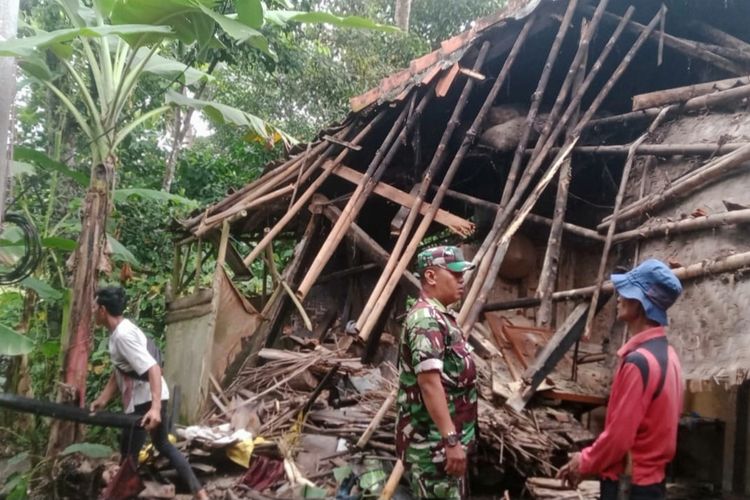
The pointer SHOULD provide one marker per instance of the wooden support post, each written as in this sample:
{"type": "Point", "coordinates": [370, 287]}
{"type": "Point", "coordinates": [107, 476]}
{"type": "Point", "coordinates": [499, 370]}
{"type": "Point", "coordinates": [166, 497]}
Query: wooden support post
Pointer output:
{"type": "Point", "coordinates": [377, 167]}
{"type": "Point", "coordinates": [309, 192]}
{"type": "Point", "coordinates": [487, 274]}
{"type": "Point", "coordinates": [435, 164]}
{"type": "Point", "coordinates": [688, 47]}
{"type": "Point", "coordinates": [364, 241]}
{"type": "Point", "coordinates": [548, 275]}
{"type": "Point", "coordinates": [223, 243]}
{"type": "Point", "coordinates": [368, 319]}
{"type": "Point", "coordinates": [711, 172]}
{"type": "Point", "coordinates": [618, 203]}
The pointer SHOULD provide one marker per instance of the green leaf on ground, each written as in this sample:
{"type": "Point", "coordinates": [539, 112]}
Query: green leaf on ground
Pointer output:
{"type": "Point", "coordinates": [91, 450]}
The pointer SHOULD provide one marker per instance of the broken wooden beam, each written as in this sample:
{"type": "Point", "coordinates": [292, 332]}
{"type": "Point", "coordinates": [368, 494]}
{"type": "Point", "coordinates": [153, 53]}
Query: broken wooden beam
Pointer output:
{"type": "Point", "coordinates": [364, 241]}
{"type": "Point", "coordinates": [684, 226]}
{"type": "Point", "coordinates": [701, 177]}
{"type": "Point", "coordinates": [291, 213]}
{"type": "Point", "coordinates": [458, 225]}
{"type": "Point", "coordinates": [690, 48]}
{"type": "Point", "coordinates": [537, 219]}
{"type": "Point", "coordinates": [399, 132]}
{"type": "Point", "coordinates": [561, 341]}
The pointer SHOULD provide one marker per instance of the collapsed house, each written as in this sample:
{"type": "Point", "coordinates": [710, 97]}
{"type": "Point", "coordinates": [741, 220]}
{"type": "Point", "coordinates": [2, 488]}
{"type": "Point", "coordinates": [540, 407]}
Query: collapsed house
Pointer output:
{"type": "Point", "coordinates": [555, 142]}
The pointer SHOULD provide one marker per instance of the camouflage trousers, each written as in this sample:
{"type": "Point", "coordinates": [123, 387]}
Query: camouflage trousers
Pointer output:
{"type": "Point", "coordinates": [426, 475]}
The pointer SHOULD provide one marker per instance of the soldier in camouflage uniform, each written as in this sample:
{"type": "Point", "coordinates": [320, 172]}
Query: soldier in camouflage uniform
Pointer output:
{"type": "Point", "coordinates": [437, 398]}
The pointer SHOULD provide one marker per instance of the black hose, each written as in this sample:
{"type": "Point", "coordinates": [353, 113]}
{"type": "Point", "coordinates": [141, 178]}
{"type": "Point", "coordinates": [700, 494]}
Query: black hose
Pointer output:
{"type": "Point", "coordinates": [33, 250]}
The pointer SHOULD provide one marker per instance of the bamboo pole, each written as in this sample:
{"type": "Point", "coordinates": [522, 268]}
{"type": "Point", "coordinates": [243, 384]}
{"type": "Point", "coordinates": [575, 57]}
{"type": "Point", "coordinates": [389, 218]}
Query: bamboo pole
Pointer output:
{"type": "Point", "coordinates": [548, 275]}
{"type": "Point", "coordinates": [309, 192]}
{"type": "Point", "coordinates": [390, 486]}
{"type": "Point", "coordinates": [719, 37]}
{"type": "Point", "coordinates": [536, 101]}
{"type": "Point", "coordinates": [375, 423]}
{"type": "Point", "coordinates": [231, 214]}
{"type": "Point", "coordinates": [611, 229]}
{"type": "Point", "coordinates": [584, 232]}
{"type": "Point", "coordinates": [697, 179]}
{"type": "Point", "coordinates": [483, 258]}
{"type": "Point", "coordinates": [549, 135]}
{"type": "Point", "coordinates": [707, 267]}
{"type": "Point", "coordinates": [699, 149]}
{"type": "Point", "coordinates": [377, 167]}
{"type": "Point", "coordinates": [481, 287]}
{"type": "Point", "coordinates": [258, 187]}
{"type": "Point", "coordinates": [681, 94]}
{"type": "Point", "coordinates": [435, 164]}
{"type": "Point", "coordinates": [708, 101]}
{"type": "Point", "coordinates": [689, 48]}
{"type": "Point", "coordinates": [685, 226]}
{"type": "Point", "coordinates": [367, 323]}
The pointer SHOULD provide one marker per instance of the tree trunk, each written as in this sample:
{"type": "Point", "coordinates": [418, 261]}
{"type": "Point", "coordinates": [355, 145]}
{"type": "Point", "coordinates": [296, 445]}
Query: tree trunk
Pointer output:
{"type": "Point", "coordinates": [77, 342]}
{"type": "Point", "coordinates": [403, 12]}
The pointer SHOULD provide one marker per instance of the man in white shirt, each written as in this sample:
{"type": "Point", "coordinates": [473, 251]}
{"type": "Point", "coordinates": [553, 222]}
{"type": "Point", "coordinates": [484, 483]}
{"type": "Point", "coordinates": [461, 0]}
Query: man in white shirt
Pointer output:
{"type": "Point", "coordinates": [138, 377]}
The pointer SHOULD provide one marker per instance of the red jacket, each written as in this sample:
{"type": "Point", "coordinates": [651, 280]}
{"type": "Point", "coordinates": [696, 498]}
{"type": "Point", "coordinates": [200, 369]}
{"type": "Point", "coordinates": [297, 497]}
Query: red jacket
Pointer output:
{"type": "Point", "coordinates": [643, 412]}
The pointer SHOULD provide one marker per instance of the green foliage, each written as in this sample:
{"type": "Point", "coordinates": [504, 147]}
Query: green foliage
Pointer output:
{"type": "Point", "coordinates": [91, 450]}
{"type": "Point", "coordinates": [13, 343]}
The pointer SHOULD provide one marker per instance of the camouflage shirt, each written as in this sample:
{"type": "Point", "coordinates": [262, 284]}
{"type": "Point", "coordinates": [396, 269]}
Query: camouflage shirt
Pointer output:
{"type": "Point", "coordinates": [432, 340]}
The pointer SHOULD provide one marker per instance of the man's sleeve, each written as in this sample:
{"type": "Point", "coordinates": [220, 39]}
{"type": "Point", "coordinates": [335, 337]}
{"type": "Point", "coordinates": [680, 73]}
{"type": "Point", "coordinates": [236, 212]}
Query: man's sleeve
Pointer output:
{"type": "Point", "coordinates": [426, 344]}
{"type": "Point", "coordinates": [134, 353]}
{"type": "Point", "coordinates": [627, 406]}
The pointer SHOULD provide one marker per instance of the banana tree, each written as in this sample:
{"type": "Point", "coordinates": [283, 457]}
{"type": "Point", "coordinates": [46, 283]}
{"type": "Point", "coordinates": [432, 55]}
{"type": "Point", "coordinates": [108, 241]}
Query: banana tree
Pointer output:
{"type": "Point", "coordinates": [106, 51]}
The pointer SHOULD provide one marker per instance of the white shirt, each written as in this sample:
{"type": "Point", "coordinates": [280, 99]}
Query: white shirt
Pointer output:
{"type": "Point", "coordinates": [129, 352]}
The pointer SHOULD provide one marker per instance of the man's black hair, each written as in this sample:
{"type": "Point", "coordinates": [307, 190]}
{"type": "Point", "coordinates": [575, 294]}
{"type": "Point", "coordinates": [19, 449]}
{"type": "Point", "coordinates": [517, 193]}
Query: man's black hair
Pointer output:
{"type": "Point", "coordinates": [112, 298]}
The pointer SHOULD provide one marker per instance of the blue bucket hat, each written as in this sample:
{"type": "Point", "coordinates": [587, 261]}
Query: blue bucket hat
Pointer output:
{"type": "Point", "coordinates": [653, 284]}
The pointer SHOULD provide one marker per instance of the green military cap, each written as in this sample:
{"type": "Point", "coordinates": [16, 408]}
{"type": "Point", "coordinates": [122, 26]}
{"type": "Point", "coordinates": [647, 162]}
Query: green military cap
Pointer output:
{"type": "Point", "coordinates": [449, 257]}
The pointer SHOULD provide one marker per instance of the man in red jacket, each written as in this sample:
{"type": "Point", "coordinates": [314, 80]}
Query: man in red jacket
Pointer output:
{"type": "Point", "coordinates": [640, 431]}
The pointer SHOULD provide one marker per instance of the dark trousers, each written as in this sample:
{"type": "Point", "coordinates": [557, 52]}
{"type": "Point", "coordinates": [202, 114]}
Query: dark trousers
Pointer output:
{"type": "Point", "coordinates": [132, 440]}
{"type": "Point", "coordinates": [656, 491]}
